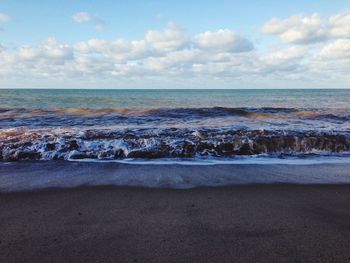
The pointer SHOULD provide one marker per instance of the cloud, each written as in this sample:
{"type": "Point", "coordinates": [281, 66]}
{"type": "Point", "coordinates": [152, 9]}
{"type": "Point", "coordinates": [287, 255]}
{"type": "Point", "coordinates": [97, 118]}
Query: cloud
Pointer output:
{"type": "Point", "coordinates": [339, 49]}
{"type": "Point", "coordinates": [301, 29]}
{"type": "Point", "coordinates": [119, 50]}
{"type": "Point", "coordinates": [297, 29]}
{"type": "Point", "coordinates": [49, 51]}
{"type": "Point", "coordinates": [171, 38]}
{"type": "Point", "coordinates": [84, 17]}
{"type": "Point", "coordinates": [155, 43]}
{"type": "Point", "coordinates": [286, 60]}
{"type": "Point", "coordinates": [291, 53]}
{"type": "Point", "coordinates": [4, 17]}
{"type": "Point", "coordinates": [339, 25]}
{"type": "Point", "coordinates": [167, 53]}
{"type": "Point", "coordinates": [223, 40]}
{"type": "Point", "coordinates": [170, 56]}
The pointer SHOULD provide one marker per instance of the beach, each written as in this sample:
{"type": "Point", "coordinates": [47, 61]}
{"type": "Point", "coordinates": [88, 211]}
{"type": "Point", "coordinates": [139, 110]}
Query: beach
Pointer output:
{"type": "Point", "coordinates": [174, 176]}
{"type": "Point", "coordinates": [251, 223]}
{"type": "Point", "coordinates": [174, 131]}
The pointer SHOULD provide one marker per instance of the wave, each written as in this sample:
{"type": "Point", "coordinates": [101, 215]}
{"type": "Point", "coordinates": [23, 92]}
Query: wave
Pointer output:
{"type": "Point", "coordinates": [107, 144]}
{"type": "Point", "coordinates": [213, 132]}
{"type": "Point", "coordinates": [167, 112]}
{"type": "Point", "coordinates": [238, 118]}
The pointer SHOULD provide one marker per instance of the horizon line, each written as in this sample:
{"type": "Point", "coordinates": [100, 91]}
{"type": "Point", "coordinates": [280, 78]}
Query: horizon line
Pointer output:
{"type": "Point", "coordinates": [316, 88]}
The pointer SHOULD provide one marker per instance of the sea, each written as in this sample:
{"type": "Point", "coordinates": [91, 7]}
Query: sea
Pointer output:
{"type": "Point", "coordinates": [183, 126]}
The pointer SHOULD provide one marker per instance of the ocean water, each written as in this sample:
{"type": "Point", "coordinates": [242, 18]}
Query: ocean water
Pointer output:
{"type": "Point", "coordinates": [182, 125]}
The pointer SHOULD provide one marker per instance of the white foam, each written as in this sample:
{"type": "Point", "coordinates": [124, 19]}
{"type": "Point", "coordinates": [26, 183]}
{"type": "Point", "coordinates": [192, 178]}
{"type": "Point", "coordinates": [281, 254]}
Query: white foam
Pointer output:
{"type": "Point", "coordinates": [243, 160]}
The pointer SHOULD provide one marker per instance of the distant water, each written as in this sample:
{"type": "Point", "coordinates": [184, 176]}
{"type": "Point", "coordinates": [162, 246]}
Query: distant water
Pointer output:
{"type": "Point", "coordinates": [175, 124]}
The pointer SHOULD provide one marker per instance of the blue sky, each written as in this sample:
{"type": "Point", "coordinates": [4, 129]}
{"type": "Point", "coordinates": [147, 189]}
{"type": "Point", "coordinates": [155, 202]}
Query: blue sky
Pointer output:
{"type": "Point", "coordinates": [28, 24]}
{"type": "Point", "coordinates": [130, 19]}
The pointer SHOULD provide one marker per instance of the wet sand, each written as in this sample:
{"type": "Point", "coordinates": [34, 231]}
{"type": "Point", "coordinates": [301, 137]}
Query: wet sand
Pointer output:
{"type": "Point", "coordinates": [28, 175]}
{"type": "Point", "coordinates": [254, 223]}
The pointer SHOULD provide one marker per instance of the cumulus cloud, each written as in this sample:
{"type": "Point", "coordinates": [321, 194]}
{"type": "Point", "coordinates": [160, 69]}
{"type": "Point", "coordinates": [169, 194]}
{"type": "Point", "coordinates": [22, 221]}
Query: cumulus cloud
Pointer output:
{"type": "Point", "coordinates": [84, 17]}
{"type": "Point", "coordinates": [301, 29]}
{"type": "Point", "coordinates": [49, 58]}
{"type": "Point", "coordinates": [119, 50]}
{"type": "Point", "coordinates": [4, 17]}
{"type": "Point", "coordinates": [291, 53]}
{"type": "Point", "coordinates": [171, 38]}
{"type": "Point", "coordinates": [154, 44]}
{"type": "Point", "coordinates": [339, 25]}
{"type": "Point", "coordinates": [286, 60]}
{"type": "Point", "coordinates": [297, 29]}
{"type": "Point", "coordinates": [223, 40]}
{"type": "Point", "coordinates": [164, 58]}
{"type": "Point", "coordinates": [339, 49]}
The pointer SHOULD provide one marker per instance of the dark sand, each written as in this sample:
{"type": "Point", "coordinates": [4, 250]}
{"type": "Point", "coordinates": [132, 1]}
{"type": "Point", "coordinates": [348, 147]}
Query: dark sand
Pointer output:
{"type": "Point", "coordinates": [256, 223]}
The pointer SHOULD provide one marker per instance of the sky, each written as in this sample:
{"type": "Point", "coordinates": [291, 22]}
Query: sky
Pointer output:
{"type": "Point", "coordinates": [174, 44]}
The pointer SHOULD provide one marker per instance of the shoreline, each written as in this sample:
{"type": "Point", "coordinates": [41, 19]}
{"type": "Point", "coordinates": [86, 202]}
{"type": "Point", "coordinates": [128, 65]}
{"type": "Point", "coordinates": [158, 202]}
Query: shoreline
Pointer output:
{"type": "Point", "coordinates": [260, 223]}
{"type": "Point", "coordinates": [31, 176]}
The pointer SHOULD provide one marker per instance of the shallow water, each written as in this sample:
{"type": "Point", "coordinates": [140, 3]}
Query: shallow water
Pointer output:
{"type": "Point", "coordinates": [29, 176]}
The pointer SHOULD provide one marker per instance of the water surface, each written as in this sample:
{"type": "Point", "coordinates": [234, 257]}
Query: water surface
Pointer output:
{"type": "Point", "coordinates": [154, 124]}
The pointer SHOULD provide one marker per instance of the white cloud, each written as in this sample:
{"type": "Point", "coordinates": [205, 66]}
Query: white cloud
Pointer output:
{"type": "Point", "coordinates": [119, 50]}
{"type": "Point", "coordinates": [278, 56]}
{"type": "Point", "coordinates": [339, 49]}
{"type": "Point", "coordinates": [301, 29]}
{"type": "Point", "coordinates": [155, 43]}
{"type": "Point", "coordinates": [49, 51]}
{"type": "Point", "coordinates": [4, 17]}
{"type": "Point", "coordinates": [297, 29]}
{"type": "Point", "coordinates": [171, 38]}
{"type": "Point", "coordinates": [223, 40]}
{"type": "Point", "coordinates": [340, 25]}
{"type": "Point", "coordinates": [287, 60]}
{"type": "Point", "coordinates": [84, 17]}
{"type": "Point", "coordinates": [164, 58]}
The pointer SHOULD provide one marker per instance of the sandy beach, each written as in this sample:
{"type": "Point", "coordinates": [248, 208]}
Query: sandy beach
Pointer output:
{"type": "Point", "coordinates": [255, 223]}
{"type": "Point", "coordinates": [174, 131]}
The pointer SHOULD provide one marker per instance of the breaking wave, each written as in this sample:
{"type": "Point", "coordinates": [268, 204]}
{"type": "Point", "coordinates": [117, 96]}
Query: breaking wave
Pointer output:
{"type": "Point", "coordinates": [153, 133]}
{"type": "Point", "coordinates": [105, 144]}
